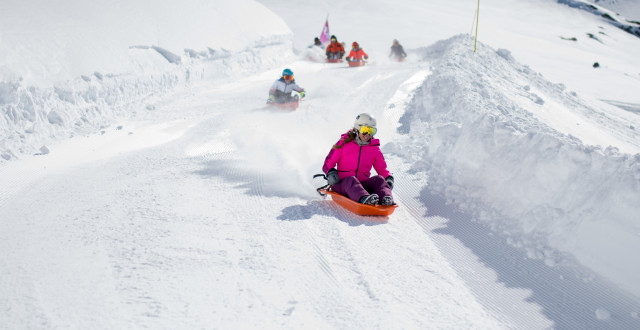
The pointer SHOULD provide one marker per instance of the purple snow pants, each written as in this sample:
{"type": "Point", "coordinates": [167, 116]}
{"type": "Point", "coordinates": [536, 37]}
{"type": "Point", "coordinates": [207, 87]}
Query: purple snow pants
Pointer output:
{"type": "Point", "coordinates": [353, 189]}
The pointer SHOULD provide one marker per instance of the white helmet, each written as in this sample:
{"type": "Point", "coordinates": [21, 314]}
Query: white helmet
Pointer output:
{"type": "Point", "coordinates": [364, 119]}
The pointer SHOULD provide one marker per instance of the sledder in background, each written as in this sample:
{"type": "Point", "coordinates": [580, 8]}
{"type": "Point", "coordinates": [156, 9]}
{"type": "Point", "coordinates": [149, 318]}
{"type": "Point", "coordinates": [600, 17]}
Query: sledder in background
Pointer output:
{"type": "Point", "coordinates": [280, 91]}
{"type": "Point", "coordinates": [356, 56]}
{"type": "Point", "coordinates": [397, 52]}
{"type": "Point", "coordinates": [335, 50]}
{"type": "Point", "coordinates": [355, 154]}
{"type": "Point", "coordinates": [316, 42]}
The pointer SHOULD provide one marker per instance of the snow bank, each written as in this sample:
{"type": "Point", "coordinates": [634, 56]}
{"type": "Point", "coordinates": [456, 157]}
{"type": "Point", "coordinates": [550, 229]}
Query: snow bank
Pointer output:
{"type": "Point", "coordinates": [506, 145]}
{"type": "Point", "coordinates": [72, 68]}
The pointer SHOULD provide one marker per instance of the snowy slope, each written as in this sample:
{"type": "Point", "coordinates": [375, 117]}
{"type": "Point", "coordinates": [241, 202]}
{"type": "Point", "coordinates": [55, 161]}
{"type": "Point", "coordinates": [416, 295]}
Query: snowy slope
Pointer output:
{"type": "Point", "coordinates": [533, 154]}
{"type": "Point", "coordinates": [182, 201]}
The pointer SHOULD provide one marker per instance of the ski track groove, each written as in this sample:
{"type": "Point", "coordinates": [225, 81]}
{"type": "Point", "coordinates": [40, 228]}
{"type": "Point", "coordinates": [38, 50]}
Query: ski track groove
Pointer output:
{"type": "Point", "coordinates": [324, 263]}
{"type": "Point", "coordinates": [408, 195]}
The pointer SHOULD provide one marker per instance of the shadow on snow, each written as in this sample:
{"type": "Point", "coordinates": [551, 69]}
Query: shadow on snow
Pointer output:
{"type": "Point", "coordinates": [328, 207]}
{"type": "Point", "coordinates": [568, 294]}
{"type": "Point", "coordinates": [253, 184]}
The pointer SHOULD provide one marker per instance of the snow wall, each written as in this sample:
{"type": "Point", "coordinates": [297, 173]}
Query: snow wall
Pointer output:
{"type": "Point", "coordinates": [64, 72]}
{"type": "Point", "coordinates": [468, 129]}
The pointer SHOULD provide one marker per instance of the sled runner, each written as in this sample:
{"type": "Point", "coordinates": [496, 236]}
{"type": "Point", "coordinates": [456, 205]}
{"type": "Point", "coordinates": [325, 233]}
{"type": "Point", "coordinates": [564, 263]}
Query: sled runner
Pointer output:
{"type": "Point", "coordinates": [353, 206]}
{"type": "Point", "coordinates": [356, 63]}
{"type": "Point", "coordinates": [334, 60]}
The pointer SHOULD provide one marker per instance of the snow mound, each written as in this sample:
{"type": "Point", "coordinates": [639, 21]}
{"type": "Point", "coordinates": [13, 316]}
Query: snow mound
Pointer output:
{"type": "Point", "coordinates": [481, 127]}
{"type": "Point", "coordinates": [52, 90]}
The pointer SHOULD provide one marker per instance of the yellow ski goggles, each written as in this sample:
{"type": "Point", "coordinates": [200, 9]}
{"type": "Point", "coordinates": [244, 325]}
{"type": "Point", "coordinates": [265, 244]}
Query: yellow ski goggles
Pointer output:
{"type": "Point", "coordinates": [368, 130]}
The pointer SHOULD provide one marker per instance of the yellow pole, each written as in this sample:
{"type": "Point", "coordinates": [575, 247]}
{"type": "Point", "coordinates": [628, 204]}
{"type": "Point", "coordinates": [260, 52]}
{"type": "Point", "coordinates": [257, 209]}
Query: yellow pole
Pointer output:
{"type": "Point", "coordinates": [477, 20]}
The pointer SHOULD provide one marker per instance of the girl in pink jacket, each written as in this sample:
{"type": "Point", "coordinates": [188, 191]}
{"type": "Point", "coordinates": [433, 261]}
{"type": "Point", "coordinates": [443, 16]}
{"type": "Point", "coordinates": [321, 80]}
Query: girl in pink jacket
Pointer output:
{"type": "Point", "coordinates": [355, 154]}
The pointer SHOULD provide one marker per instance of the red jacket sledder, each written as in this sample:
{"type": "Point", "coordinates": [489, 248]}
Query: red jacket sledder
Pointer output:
{"type": "Point", "coordinates": [357, 56]}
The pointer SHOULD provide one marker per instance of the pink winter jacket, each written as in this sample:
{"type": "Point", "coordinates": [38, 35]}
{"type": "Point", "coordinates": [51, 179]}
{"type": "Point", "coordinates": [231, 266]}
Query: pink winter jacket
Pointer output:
{"type": "Point", "coordinates": [355, 160]}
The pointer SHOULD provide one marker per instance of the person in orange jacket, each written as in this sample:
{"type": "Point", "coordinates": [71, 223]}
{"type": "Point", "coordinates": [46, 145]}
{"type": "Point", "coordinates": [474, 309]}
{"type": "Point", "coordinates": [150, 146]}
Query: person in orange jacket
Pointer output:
{"type": "Point", "coordinates": [357, 54]}
{"type": "Point", "coordinates": [335, 50]}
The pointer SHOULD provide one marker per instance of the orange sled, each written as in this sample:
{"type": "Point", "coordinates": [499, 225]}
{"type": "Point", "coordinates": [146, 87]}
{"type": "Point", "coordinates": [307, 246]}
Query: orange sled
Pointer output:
{"type": "Point", "coordinates": [358, 208]}
{"type": "Point", "coordinates": [356, 63]}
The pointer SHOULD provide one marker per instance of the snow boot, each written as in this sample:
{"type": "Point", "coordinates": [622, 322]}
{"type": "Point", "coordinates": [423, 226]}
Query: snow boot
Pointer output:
{"type": "Point", "coordinates": [386, 200]}
{"type": "Point", "coordinates": [370, 199]}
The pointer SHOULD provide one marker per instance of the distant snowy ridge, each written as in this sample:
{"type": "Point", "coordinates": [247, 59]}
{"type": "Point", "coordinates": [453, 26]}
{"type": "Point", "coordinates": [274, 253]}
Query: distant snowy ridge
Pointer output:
{"type": "Point", "coordinates": [617, 20]}
{"type": "Point", "coordinates": [628, 8]}
{"type": "Point", "coordinates": [474, 127]}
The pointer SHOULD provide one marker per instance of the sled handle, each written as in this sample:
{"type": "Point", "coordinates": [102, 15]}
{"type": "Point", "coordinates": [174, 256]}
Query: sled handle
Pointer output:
{"type": "Point", "coordinates": [323, 187]}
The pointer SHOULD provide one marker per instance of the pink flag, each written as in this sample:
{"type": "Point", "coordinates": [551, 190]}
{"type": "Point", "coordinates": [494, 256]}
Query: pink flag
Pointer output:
{"type": "Point", "coordinates": [324, 37]}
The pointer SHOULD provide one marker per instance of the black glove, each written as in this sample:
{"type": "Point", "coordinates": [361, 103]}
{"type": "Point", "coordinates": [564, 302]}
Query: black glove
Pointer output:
{"type": "Point", "coordinates": [332, 177]}
{"type": "Point", "coordinates": [389, 180]}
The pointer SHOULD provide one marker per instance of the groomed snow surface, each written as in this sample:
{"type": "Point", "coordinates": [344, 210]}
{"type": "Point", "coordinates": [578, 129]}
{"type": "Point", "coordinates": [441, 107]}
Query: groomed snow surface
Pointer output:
{"type": "Point", "coordinates": [144, 183]}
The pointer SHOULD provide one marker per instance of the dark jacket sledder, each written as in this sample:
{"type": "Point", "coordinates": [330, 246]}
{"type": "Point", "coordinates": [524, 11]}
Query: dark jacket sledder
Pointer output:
{"type": "Point", "coordinates": [397, 52]}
